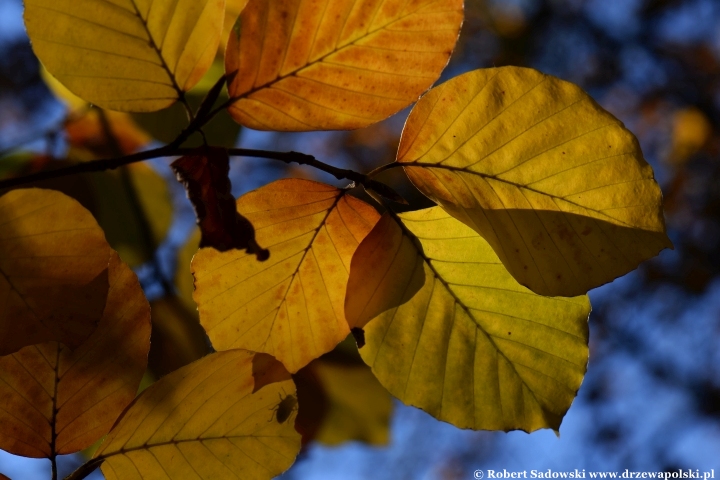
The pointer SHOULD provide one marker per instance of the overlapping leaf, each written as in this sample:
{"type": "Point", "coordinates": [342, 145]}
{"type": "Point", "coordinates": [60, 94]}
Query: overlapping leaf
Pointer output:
{"type": "Point", "coordinates": [53, 270]}
{"type": "Point", "coordinates": [290, 306]}
{"type": "Point", "coordinates": [57, 401]}
{"type": "Point", "coordinates": [336, 64]}
{"type": "Point", "coordinates": [555, 184]}
{"type": "Point", "coordinates": [130, 55]}
{"type": "Point", "coordinates": [460, 338]}
{"type": "Point", "coordinates": [205, 421]}
{"type": "Point", "coordinates": [359, 407]}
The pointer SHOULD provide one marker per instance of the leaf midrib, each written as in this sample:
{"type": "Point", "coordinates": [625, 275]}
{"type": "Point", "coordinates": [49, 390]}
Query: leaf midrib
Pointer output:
{"type": "Point", "coordinates": [294, 73]}
{"type": "Point", "coordinates": [407, 232]}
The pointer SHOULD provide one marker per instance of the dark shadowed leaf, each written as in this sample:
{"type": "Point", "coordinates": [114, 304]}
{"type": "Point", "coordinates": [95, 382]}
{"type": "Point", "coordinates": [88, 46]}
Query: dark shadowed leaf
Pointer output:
{"type": "Point", "coordinates": [53, 270]}
{"type": "Point", "coordinates": [57, 401]}
{"type": "Point", "coordinates": [205, 176]}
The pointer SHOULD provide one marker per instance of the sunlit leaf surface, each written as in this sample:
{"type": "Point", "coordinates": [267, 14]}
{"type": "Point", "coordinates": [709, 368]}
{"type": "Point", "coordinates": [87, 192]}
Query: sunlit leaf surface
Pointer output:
{"type": "Point", "coordinates": [130, 55]}
{"type": "Point", "coordinates": [57, 401]}
{"type": "Point", "coordinates": [203, 421]}
{"type": "Point", "coordinates": [462, 339]}
{"type": "Point", "coordinates": [336, 64]}
{"type": "Point", "coordinates": [291, 305]}
{"type": "Point", "coordinates": [555, 184]}
{"type": "Point", "coordinates": [53, 270]}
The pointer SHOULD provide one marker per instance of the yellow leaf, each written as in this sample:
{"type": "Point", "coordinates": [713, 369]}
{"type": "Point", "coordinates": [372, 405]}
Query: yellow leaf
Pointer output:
{"type": "Point", "coordinates": [290, 306]}
{"type": "Point", "coordinates": [203, 421]}
{"type": "Point", "coordinates": [183, 274]}
{"type": "Point", "coordinates": [553, 182]}
{"type": "Point", "coordinates": [470, 346]}
{"type": "Point", "coordinates": [53, 270]}
{"type": "Point", "coordinates": [178, 338]}
{"type": "Point", "coordinates": [233, 9]}
{"type": "Point", "coordinates": [336, 64]}
{"type": "Point", "coordinates": [73, 102]}
{"type": "Point", "coordinates": [129, 55]}
{"type": "Point", "coordinates": [691, 131]}
{"type": "Point", "coordinates": [359, 407]}
{"type": "Point", "coordinates": [89, 387]}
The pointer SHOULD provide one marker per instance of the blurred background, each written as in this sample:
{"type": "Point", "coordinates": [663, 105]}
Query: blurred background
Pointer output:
{"type": "Point", "coordinates": [651, 397]}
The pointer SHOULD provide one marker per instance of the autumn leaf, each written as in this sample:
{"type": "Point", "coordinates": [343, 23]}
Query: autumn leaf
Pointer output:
{"type": "Point", "coordinates": [290, 306]}
{"type": "Point", "coordinates": [101, 134]}
{"type": "Point", "coordinates": [57, 401]}
{"type": "Point", "coordinates": [129, 56]}
{"type": "Point", "coordinates": [359, 407]}
{"type": "Point", "coordinates": [53, 270]}
{"type": "Point", "coordinates": [177, 337]}
{"type": "Point", "coordinates": [204, 421]}
{"type": "Point", "coordinates": [233, 9]}
{"type": "Point", "coordinates": [205, 176]}
{"type": "Point", "coordinates": [336, 64]}
{"type": "Point", "coordinates": [470, 346]}
{"type": "Point", "coordinates": [555, 184]}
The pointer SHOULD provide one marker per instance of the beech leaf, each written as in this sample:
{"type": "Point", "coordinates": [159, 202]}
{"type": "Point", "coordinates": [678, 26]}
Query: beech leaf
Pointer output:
{"type": "Point", "coordinates": [57, 401]}
{"type": "Point", "coordinates": [290, 306]}
{"type": "Point", "coordinates": [204, 421]}
{"type": "Point", "coordinates": [554, 183]}
{"type": "Point", "coordinates": [129, 55]}
{"type": "Point", "coordinates": [53, 270]}
{"type": "Point", "coordinates": [205, 176]}
{"type": "Point", "coordinates": [336, 64]}
{"type": "Point", "coordinates": [459, 337]}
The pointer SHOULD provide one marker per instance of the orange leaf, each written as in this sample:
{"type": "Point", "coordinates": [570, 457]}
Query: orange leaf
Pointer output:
{"type": "Point", "coordinates": [292, 305]}
{"type": "Point", "coordinates": [336, 64]}
{"type": "Point", "coordinates": [53, 270]}
{"type": "Point", "coordinates": [57, 401]}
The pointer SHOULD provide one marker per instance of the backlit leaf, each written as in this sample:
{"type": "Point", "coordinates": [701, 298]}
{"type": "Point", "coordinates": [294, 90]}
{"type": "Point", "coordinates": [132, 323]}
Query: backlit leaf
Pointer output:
{"type": "Point", "coordinates": [462, 339]}
{"type": "Point", "coordinates": [90, 133]}
{"type": "Point", "coordinates": [336, 64]}
{"type": "Point", "coordinates": [89, 387]}
{"type": "Point", "coordinates": [205, 176]}
{"type": "Point", "coordinates": [553, 182]}
{"type": "Point", "coordinates": [203, 421]}
{"type": "Point", "coordinates": [233, 9]}
{"type": "Point", "coordinates": [130, 55]}
{"type": "Point", "coordinates": [359, 407]}
{"type": "Point", "coordinates": [53, 270]}
{"type": "Point", "coordinates": [290, 306]}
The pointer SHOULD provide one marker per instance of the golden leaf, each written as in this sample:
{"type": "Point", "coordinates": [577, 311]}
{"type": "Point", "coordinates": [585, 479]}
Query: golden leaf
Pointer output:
{"type": "Point", "coordinates": [553, 182]}
{"type": "Point", "coordinates": [204, 421]}
{"type": "Point", "coordinates": [290, 306]}
{"type": "Point", "coordinates": [462, 339]}
{"type": "Point", "coordinates": [53, 270]}
{"type": "Point", "coordinates": [57, 401]}
{"type": "Point", "coordinates": [129, 55]}
{"type": "Point", "coordinates": [336, 64]}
